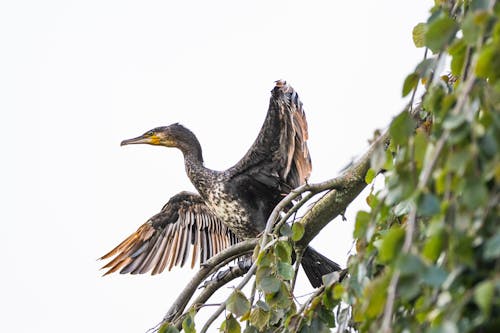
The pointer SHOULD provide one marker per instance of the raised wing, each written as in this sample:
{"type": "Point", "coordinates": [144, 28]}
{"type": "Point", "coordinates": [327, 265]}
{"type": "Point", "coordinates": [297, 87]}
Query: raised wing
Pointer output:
{"type": "Point", "coordinates": [184, 224]}
{"type": "Point", "coordinates": [279, 155]}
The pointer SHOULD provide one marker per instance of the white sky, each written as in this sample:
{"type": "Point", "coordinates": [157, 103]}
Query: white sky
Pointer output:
{"type": "Point", "coordinates": [77, 77]}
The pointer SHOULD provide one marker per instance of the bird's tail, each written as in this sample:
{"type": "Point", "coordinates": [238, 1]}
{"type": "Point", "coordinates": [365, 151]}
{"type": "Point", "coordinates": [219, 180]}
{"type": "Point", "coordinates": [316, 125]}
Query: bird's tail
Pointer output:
{"type": "Point", "coordinates": [316, 265]}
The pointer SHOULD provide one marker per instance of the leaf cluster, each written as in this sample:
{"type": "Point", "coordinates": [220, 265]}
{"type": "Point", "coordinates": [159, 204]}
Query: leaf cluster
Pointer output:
{"type": "Point", "coordinates": [428, 250]}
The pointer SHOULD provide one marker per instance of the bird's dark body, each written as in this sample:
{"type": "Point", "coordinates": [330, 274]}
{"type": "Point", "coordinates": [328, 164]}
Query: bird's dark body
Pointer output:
{"type": "Point", "coordinates": [243, 196]}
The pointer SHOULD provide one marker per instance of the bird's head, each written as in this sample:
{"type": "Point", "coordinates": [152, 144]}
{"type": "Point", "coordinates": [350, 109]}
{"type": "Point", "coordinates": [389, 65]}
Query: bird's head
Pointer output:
{"type": "Point", "coordinates": [174, 135]}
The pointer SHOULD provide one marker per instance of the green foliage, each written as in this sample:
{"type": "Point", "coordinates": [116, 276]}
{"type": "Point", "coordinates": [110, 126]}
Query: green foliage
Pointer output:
{"type": "Point", "coordinates": [439, 32]}
{"type": "Point", "coordinates": [167, 328]}
{"type": "Point", "coordinates": [297, 231]}
{"type": "Point", "coordinates": [441, 191]}
{"type": "Point", "coordinates": [419, 35]}
{"type": "Point", "coordinates": [401, 128]}
{"type": "Point", "coordinates": [188, 323]}
{"type": "Point", "coordinates": [230, 325]}
{"type": "Point", "coordinates": [410, 83]}
{"type": "Point", "coordinates": [237, 303]}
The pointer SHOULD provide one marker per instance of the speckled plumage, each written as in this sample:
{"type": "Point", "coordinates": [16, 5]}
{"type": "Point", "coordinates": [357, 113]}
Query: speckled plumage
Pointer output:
{"type": "Point", "coordinates": [242, 197]}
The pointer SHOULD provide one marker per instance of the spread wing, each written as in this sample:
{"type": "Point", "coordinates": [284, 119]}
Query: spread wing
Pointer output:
{"type": "Point", "coordinates": [184, 224]}
{"type": "Point", "coordinates": [279, 156]}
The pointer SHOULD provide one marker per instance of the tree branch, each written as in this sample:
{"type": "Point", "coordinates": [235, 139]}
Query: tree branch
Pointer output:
{"type": "Point", "coordinates": [210, 266]}
{"type": "Point", "coordinates": [343, 190]}
{"type": "Point", "coordinates": [209, 289]}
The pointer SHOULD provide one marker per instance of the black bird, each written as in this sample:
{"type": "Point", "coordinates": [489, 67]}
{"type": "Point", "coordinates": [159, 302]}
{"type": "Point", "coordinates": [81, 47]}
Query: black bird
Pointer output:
{"type": "Point", "coordinates": [233, 204]}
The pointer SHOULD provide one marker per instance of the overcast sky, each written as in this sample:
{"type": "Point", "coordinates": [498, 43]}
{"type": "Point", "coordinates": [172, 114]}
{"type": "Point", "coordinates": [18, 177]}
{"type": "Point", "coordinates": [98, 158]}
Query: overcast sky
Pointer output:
{"type": "Point", "coordinates": [77, 77]}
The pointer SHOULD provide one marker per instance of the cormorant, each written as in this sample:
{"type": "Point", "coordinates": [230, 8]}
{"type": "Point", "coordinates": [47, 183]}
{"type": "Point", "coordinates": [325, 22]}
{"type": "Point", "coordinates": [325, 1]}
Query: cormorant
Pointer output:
{"type": "Point", "coordinates": [233, 204]}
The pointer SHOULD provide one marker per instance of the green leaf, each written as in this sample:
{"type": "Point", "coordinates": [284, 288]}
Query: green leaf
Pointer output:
{"type": "Point", "coordinates": [440, 32]}
{"type": "Point", "coordinates": [488, 62]}
{"type": "Point", "coordinates": [370, 175]}
{"type": "Point", "coordinates": [168, 328]}
{"type": "Point", "coordinates": [470, 29]}
{"type": "Point", "coordinates": [280, 299]}
{"type": "Point", "coordinates": [409, 264]}
{"type": "Point", "coordinates": [483, 296]}
{"type": "Point", "coordinates": [338, 291]}
{"type": "Point", "coordinates": [428, 205]}
{"type": "Point", "coordinates": [297, 231]}
{"type": "Point", "coordinates": [457, 51]}
{"type": "Point", "coordinates": [488, 145]}
{"type": "Point", "coordinates": [435, 276]}
{"type": "Point", "coordinates": [283, 251]}
{"type": "Point", "coordinates": [474, 193]}
{"type": "Point", "coordinates": [269, 284]}
{"type": "Point", "coordinates": [409, 287]}
{"type": "Point", "coordinates": [362, 221]}
{"type": "Point", "coordinates": [420, 144]}
{"type": "Point", "coordinates": [418, 35]}
{"type": "Point", "coordinates": [327, 317]}
{"type": "Point", "coordinates": [230, 325]}
{"type": "Point", "coordinates": [259, 318]}
{"type": "Point", "coordinates": [401, 128]}
{"type": "Point", "coordinates": [457, 161]}
{"type": "Point", "coordinates": [238, 304]}
{"type": "Point", "coordinates": [391, 244]}
{"type": "Point", "coordinates": [410, 83]}
{"type": "Point", "coordinates": [426, 67]}
{"type": "Point", "coordinates": [434, 98]}
{"type": "Point", "coordinates": [285, 270]}
{"type": "Point", "coordinates": [286, 230]}
{"type": "Point", "coordinates": [188, 323]}
{"type": "Point", "coordinates": [266, 259]}
{"type": "Point", "coordinates": [433, 247]}
{"type": "Point", "coordinates": [401, 186]}
{"type": "Point", "coordinates": [375, 296]}
{"type": "Point", "coordinates": [263, 272]}
{"type": "Point", "coordinates": [492, 247]}
{"type": "Point", "coordinates": [389, 162]}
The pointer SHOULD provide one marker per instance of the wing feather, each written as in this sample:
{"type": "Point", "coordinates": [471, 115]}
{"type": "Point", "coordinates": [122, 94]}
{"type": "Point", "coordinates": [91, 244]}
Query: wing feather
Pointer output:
{"type": "Point", "coordinates": [184, 225]}
{"type": "Point", "coordinates": [279, 155]}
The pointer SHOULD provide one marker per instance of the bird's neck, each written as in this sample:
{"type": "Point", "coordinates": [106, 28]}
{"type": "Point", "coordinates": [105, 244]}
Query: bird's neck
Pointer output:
{"type": "Point", "coordinates": [196, 171]}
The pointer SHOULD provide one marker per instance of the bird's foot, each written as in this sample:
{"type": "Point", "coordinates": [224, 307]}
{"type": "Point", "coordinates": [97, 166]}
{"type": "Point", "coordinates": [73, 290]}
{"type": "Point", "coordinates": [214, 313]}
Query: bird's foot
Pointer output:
{"type": "Point", "coordinates": [243, 264]}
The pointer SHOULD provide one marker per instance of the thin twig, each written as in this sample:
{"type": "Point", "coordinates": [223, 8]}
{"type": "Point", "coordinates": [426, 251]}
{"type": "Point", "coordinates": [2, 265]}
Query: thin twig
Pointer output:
{"type": "Point", "coordinates": [298, 260]}
{"type": "Point", "coordinates": [293, 210]}
{"type": "Point", "coordinates": [306, 304]}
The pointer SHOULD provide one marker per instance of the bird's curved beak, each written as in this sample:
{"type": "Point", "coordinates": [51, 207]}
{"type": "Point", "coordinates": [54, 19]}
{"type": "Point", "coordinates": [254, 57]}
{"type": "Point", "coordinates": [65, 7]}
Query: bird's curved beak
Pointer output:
{"type": "Point", "coordinates": [143, 139]}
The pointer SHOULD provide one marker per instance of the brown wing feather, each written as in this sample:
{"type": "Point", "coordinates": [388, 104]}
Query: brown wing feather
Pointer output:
{"type": "Point", "coordinates": [184, 224]}
{"type": "Point", "coordinates": [280, 150]}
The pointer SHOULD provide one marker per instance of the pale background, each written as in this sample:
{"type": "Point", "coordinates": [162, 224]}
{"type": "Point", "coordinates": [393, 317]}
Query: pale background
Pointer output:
{"type": "Point", "coordinates": [77, 77]}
